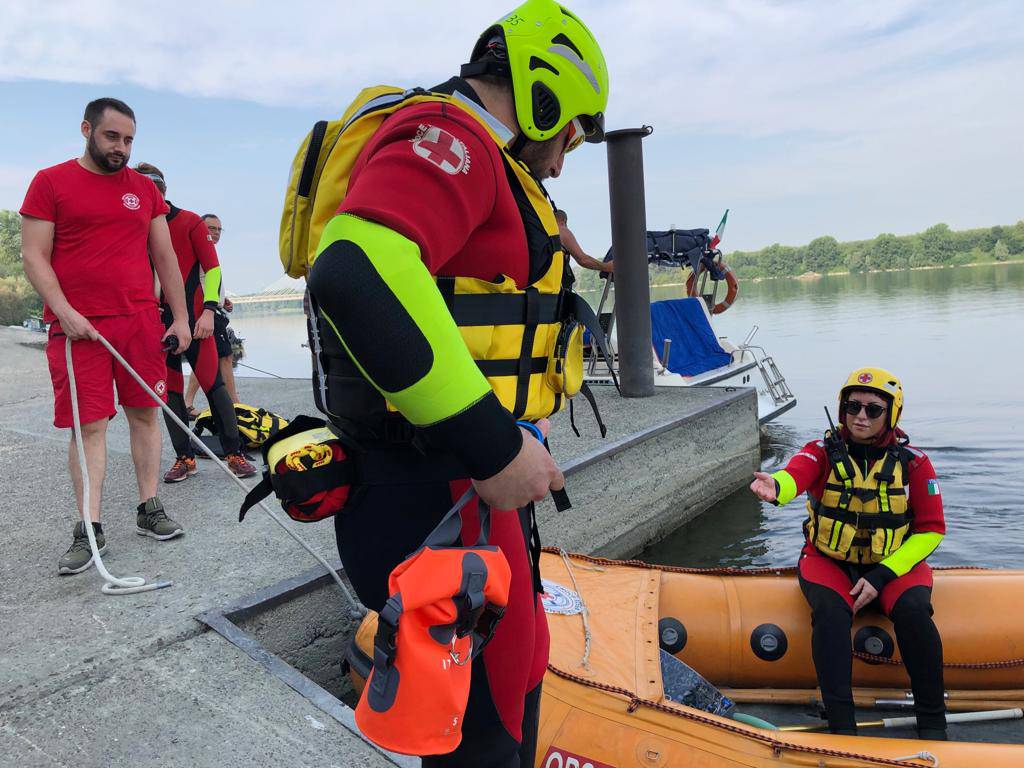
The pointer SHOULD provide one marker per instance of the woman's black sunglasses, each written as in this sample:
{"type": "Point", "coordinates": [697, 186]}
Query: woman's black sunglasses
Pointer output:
{"type": "Point", "coordinates": [873, 410]}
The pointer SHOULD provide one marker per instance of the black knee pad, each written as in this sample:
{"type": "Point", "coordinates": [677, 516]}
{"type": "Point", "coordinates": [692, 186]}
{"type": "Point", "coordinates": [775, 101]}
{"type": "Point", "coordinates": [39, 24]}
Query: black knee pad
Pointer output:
{"type": "Point", "coordinates": [827, 605]}
{"type": "Point", "coordinates": [915, 603]}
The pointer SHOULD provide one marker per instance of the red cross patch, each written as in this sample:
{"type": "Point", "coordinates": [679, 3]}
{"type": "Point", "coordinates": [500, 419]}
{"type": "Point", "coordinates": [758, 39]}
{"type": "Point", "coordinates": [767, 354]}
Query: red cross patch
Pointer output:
{"type": "Point", "coordinates": [865, 378]}
{"type": "Point", "coordinates": [442, 149]}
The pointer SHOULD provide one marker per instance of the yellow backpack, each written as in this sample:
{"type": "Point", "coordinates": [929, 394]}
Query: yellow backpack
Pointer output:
{"type": "Point", "coordinates": [322, 167]}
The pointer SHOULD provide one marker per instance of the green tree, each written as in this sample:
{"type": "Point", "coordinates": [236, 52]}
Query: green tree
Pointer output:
{"type": "Point", "coordinates": [10, 243]}
{"type": "Point", "coordinates": [939, 244]}
{"type": "Point", "coordinates": [822, 255]}
{"type": "Point", "coordinates": [1000, 251]}
{"type": "Point", "coordinates": [18, 299]}
{"type": "Point", "coordinates": [888, 252]}
{"type": "Point", "coordinates": [854, 261]}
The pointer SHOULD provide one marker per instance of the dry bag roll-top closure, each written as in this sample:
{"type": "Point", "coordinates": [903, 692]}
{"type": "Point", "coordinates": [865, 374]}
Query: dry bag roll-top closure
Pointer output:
{"type": "Point", "coordinates": [445, 603]}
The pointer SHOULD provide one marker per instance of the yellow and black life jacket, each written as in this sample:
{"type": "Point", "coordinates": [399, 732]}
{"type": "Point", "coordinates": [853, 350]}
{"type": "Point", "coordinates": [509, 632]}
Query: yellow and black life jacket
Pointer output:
{"type": "Point", "coordinates": [526, 341]}
{"type": "Point", "coordinates": [255, 425]}
{"type": "Point", "coordinates": [861, 518]}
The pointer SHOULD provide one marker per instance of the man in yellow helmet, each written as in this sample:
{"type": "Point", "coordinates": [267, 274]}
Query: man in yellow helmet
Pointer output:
{"type": "Point", "coordinates": [445, 224]}
{"type": "Point", "coordinates": [874, 516]}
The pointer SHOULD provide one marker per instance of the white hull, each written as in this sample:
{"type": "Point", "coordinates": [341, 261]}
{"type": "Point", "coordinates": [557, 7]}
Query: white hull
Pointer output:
{"type": "Point", "coordinates": [742, 371]}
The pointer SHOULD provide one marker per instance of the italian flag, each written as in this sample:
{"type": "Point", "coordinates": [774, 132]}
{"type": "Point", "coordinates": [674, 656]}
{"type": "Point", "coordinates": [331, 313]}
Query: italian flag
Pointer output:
{"type": "Point", "coordinates": [720, 231]}
{"type": "Point", "coordinates": [933, 487]}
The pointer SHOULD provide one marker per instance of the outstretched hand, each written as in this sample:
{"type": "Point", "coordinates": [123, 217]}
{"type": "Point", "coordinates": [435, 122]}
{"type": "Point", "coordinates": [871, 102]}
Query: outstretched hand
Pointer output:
{"type": "Point", "coordinates": [763, 486]}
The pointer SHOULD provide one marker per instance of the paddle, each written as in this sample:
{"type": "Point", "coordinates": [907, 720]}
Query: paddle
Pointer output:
{"type": "Point", "coordinates": [903, 722]}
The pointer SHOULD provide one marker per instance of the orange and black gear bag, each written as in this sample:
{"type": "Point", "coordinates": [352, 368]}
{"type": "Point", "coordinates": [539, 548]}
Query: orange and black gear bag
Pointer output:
{"type": "Point", "coordinates": [446, 601]}
{"type": "Point", "coordinates": [309, 467]}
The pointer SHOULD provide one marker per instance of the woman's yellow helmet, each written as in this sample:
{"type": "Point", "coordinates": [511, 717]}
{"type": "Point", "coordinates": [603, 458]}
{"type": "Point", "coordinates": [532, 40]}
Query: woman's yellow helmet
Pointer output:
{"type": "Point", "coordinates": [881, 381]}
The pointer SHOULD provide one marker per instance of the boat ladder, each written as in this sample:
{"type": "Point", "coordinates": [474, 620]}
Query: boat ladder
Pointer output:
{"type": "Point", "coordinates": [773, 378]}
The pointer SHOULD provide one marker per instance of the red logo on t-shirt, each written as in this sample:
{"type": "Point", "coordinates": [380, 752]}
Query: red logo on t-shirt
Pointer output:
{"type": "Point", "coordinates": [442, 149]}
{"type": "Point", "coordinates": [160, 387]}
{"type": "Point", "coordinates": [131, 202]}
{"type": "Point", "coordinates": [864, 378]}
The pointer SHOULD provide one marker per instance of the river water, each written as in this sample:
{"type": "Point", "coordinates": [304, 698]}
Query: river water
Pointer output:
{"type": "Point", "coordinates": [952, 335]}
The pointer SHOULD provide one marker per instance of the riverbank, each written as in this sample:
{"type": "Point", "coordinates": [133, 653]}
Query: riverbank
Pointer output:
{"type": "Point", "coordinates": [91, 680]}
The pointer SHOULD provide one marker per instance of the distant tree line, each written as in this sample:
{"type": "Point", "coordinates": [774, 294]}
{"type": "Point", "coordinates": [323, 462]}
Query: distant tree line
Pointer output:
{"type": "Point", "coordinates": [18, 298]}
{"type": "Point", "coordinates": [936, 246]}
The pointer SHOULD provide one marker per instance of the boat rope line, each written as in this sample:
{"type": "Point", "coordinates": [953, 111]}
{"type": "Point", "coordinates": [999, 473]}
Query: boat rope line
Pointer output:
{"type": "Point", "coordinates": [115, 586]}
{"type": "Point", "coordinates": [870, 658]}
{"type": "Point", "coordinates": [584, 612]}
{"type": "Point", "coordinates": [777, 745]}
{"type": "Point", "coordinates": [722, 570]}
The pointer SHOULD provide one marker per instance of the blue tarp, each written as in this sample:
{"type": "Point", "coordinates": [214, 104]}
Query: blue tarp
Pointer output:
{"type": "Point", "coordinates": [695, 348]}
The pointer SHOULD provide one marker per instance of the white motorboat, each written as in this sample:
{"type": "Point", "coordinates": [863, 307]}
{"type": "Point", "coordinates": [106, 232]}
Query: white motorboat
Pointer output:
{"type": "Point", "coordinates": [687, 351]}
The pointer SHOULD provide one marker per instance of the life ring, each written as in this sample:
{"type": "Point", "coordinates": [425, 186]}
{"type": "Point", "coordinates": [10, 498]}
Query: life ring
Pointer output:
{"type": "Point", "coordinates": [732, 288]}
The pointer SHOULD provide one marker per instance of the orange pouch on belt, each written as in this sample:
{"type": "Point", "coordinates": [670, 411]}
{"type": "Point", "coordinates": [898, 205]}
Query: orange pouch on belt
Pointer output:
{"type": "Point", "coordinates": [445, 604]}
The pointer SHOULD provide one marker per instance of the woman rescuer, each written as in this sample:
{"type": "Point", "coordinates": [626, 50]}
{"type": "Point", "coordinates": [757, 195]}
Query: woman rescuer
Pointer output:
{"type": "Point", "coordinates": [875, 514]}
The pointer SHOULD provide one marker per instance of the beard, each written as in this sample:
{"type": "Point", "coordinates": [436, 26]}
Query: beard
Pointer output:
{"type": "Point", "coordinates": [110, 162]}
{"type": "Point", "coordinates": [539, 156]}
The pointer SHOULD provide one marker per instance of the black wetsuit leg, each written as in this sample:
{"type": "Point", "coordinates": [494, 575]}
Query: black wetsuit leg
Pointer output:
{"type": "Point", "coordinates": [378, 529]}
{"type": "Point", "coordinates": [181, 442]}
{"type": "Point", "coordinates": [202, 358]}
{"type": "Point", "coordinates": [832, 650]}
{"type": "Point", "coordinates": [921, 651]}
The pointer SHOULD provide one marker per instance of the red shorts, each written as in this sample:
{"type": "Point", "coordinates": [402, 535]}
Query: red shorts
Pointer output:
{"type": "Point", "coordinates": [136, 338]}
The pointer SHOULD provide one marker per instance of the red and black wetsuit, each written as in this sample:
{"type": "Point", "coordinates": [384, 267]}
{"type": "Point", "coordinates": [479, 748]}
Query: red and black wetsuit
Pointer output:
{"type": "Point", "coordinates": [197, 257]}
{"type": "Point", "coordinates": [903, 582]}
{"type": "Point", "coordinates": [465, 221]}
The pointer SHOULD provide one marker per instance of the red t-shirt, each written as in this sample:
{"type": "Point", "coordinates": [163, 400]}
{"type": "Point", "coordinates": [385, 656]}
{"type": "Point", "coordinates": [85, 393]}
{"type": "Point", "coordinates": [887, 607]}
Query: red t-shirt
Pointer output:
{"type": "Point", "coordinates": [432, 173]}
{"type": "Point", "coordinates": [101, 230]}
{"type": "Point", "coordinates": [194, 248]}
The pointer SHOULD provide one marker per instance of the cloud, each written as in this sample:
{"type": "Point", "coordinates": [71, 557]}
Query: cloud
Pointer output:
{"type": "Point", "coordinates": [911, 103]}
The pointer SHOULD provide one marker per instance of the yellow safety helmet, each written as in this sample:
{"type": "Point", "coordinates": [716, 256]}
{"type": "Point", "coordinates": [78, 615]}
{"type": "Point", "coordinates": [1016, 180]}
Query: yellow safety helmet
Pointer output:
{"type": "Point", "coordinates": [879, 380]}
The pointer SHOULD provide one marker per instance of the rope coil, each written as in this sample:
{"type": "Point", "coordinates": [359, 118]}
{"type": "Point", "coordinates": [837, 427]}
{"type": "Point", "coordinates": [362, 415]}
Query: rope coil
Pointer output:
{"type": "Point", "coordinates": [134, 584]}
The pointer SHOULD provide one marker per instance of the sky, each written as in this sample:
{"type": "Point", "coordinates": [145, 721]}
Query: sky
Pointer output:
{"type": "Point", "coordinates": [804, 118]}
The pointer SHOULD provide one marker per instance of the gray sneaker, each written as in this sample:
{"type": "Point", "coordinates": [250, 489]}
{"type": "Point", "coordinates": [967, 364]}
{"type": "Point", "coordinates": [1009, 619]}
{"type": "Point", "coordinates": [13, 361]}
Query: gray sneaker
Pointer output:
{"type": "Point", "coordinates": [79, 554]}
{"type": "Point", "coordinates": [154, 522]}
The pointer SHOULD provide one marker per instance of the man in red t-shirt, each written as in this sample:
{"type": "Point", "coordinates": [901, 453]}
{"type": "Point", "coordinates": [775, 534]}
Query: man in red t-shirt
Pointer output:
{"type": "Point", "coordinates": [89, 228]}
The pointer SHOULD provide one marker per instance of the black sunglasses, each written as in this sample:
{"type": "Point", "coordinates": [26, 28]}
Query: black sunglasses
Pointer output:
{"type": "Point", "coordinates": [873, 410]}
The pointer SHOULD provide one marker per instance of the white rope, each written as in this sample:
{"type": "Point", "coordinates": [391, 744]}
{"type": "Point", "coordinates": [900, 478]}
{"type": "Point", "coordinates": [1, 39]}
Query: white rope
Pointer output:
{"type": "Point", "coordinates": [921, 756]}
{"type": "Point", "coordinates": [584, 611]}
{"type": "Point", "coordinates": [129, 585]}
{"type": "Point", "coordinates": [357, 609]}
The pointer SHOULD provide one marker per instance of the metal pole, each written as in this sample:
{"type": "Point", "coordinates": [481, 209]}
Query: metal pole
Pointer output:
{"type": "Point", "coordinates": [629, 245]}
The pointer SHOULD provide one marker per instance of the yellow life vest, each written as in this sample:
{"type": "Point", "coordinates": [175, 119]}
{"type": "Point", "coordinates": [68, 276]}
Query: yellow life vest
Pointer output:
{"type": "Point", "coordinates": [526, 341]}
{"type": "Point", "coordinates": [861, 518]}
{"type": "Point", "coordinates": [255, 425]}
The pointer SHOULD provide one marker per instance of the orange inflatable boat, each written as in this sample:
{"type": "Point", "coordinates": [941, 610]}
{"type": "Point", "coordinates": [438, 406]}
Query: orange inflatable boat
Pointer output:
{"type": "Point", "coordinates": [604, 703]}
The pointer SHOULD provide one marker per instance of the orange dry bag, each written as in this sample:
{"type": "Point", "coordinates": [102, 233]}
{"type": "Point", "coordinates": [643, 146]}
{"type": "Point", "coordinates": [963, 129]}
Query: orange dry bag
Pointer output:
{"type": "Point", "coordinates": [445, 604]}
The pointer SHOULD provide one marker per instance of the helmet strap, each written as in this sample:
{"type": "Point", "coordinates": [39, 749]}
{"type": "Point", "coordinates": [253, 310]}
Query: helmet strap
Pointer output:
{"type": "Point", "coordinates": [486, 66]}
{"type": "Point", "coordinates": [518, 144]}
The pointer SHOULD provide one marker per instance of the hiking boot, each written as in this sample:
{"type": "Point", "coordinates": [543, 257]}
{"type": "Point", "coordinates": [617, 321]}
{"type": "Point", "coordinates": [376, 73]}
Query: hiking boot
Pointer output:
{"type": "Point", "coordinates": [79, 554]}
{"type": "Point", "coordinates": [239, 466]}
{"type": "Point", "coordinates": [182, 469]}
{"type": "Point", "coordinates": [154, 522]}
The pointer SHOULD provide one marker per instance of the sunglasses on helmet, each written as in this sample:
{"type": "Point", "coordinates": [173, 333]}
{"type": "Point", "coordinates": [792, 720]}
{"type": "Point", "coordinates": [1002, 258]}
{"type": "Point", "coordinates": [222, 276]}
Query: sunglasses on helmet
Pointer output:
{"type": "Point", "coordinates": [873, 410]}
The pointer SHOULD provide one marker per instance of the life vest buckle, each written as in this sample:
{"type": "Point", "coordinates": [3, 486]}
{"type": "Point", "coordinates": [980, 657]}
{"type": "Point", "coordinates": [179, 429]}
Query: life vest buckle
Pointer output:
{"type": "Point", "coordinates": [398, 431]}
